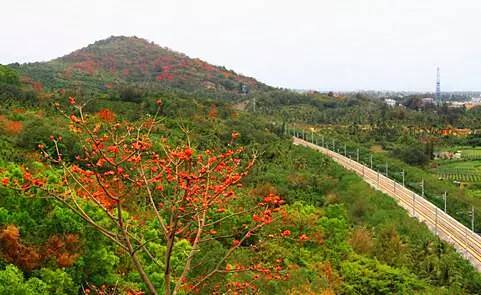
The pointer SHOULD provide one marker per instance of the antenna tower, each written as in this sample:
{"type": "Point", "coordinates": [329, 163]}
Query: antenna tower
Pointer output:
{"type": "Point", "coordinates": [438, 86]}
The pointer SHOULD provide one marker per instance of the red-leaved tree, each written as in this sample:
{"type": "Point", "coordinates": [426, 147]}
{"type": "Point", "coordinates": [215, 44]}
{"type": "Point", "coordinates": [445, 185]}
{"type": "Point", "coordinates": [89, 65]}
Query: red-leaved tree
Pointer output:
{"type": "Point", "coordinates": [123, 170]}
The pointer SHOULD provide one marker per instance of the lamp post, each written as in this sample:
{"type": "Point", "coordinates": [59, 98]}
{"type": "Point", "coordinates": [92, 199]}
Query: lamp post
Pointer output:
{"type": "Point", "coordinates": [422, 187]}
{"type": "Point", "coordinates": [445, 201]}
{"type": "Point", "coordinates": [472, 218]}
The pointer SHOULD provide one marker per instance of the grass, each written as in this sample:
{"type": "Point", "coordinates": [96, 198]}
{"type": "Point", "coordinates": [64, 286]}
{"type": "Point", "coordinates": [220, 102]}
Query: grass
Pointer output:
{"type": "Point", "coordinates": [459, 170]}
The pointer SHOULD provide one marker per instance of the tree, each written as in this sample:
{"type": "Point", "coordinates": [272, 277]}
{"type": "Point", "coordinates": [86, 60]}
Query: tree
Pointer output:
{"type": "Point", "coordinates": [131, 178]}
{"type": "Point", "coordinates": [8, 76]}
{"type": "Point", "coordinates": [412, 154]}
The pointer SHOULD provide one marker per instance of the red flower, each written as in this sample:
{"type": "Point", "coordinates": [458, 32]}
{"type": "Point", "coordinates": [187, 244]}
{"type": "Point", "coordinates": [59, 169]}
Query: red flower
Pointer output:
{"type": "Point", "coordinates": [74, 119]}
{"type": "Point", "coordinates": [27, 176]}
{"type": "Point", "coordinates": [113, 149]}
{"type": "Point", "coordinates": [5, 181]}
{"type": "Point", "coordinates": [188, 152]}
{"type": "Point", "coordinates": [71, 100]}
{"type": "Point", "coordinates": [286, 233]}
{"type": "Point", "coordinates": [303, 237]}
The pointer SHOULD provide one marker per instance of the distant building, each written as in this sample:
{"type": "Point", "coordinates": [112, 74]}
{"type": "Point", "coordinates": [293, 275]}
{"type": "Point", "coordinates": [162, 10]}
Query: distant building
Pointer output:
{"type": "Point", "coordinates": [456, 104]}
{"type": "Point", "coordinates": [390, 102]}
{"type": "Point", "coordinates": [428, 100]}
{"type": "Point", "coordinates": [458, 132]}
{"type": "Point", "coordinates": [471, 105]}
{"type": "Point", "coordinates": [444, 155]}
{"type": "Point", "coordinates": [474, 102]}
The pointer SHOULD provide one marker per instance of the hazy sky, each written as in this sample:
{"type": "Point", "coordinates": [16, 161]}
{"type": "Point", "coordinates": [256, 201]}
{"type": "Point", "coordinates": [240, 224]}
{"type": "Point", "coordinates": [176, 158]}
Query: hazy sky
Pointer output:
{"type": "Point", "coordinates": [315, 44]}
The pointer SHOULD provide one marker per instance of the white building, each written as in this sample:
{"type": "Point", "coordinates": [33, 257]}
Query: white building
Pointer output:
{"type": "Point", "coordinates": [476, 99]}
{"type": "Point", "coordinates": [428, 100]}
{"type": "Point", "coordinates": [390, 102]}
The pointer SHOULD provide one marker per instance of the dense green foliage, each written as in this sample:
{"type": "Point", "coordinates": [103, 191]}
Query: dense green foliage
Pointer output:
{"type": "Point", "coordinates": [8, 76]}
{"type": "Point", "coordinates": [341, 236]}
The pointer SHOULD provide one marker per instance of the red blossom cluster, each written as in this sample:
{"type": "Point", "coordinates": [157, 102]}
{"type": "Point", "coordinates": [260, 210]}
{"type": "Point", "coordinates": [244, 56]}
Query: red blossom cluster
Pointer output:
{"type": "Point", "coordinates": [186, 190]}
{"type": "Point", "coordinates": [87, 66]}
{"type": "Point", "coordinates": [106, 115]}
{"type": "Point", "coordinates": [10, 126]}
{"type": "Point", "coordinates": [258, 273]}
{"type": "Point", "coordinates": [165, 75]}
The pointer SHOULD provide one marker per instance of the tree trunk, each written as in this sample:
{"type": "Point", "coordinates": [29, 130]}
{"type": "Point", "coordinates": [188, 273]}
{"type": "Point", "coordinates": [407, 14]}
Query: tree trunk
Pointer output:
{"type": "Point", "coordinates": [168, 255]}
{"type": "Point", "coordinates": [143, 275]}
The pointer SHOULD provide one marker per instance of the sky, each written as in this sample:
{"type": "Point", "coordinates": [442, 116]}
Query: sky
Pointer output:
{"type": "Point", "coordinates": [302, 44]}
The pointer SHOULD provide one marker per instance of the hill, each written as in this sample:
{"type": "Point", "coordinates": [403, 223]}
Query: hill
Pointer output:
{"type": "Point", "coordinates": [117, 61]}
{"type": "Point", "coordinates": [332, 234]}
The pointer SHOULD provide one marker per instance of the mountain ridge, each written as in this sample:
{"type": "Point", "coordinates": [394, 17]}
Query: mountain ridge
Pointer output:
{"type": "Point", "coordinates": [120, 59]}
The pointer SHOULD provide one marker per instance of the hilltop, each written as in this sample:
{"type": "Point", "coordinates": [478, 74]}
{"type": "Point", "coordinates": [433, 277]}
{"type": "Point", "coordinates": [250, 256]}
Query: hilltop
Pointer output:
{"type": "Point", "coordinates": [120, 60]}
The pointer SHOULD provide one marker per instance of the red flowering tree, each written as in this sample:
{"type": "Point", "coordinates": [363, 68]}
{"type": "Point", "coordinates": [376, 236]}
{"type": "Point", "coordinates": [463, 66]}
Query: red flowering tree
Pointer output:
{"type": "Point", "coordinates": [123, 171]}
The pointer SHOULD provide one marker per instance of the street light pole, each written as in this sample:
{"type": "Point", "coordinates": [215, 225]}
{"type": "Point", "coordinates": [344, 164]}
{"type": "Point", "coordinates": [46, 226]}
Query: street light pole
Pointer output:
{"type": "Point", "coordinates": [472, 218]}
{"type": "Point", "coordinates": [403, 176]}
{"type": "Point", "coordinates": [387, 169]}
{"type": "Point", "coordinates": [371, 160]}
{"type": "Point", "coordinates": [422, 187]}
{"type": "Point", "coordinates": [357, 155]}
{"type": "Point", "coordinates": [445, 197]}
{"type": "Point", "coordinates": [345, 151]}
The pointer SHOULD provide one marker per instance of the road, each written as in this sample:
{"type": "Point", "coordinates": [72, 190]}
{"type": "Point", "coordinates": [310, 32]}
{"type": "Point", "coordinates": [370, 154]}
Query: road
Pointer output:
{"type": "Point", "coordinates": [466, 242]}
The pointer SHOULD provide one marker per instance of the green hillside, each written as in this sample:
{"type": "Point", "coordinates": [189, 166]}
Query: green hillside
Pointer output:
{"type": "Point", "coordinates": [330, 234]}
{"type": "Point", "coordinates": [116, 61]}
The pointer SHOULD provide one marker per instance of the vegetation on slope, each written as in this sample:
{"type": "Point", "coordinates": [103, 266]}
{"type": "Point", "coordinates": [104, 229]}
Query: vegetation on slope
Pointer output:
{"type": "Point", "coordinates": [118, 62]}
{"type": "Point", "coordinates": [335, 234]}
